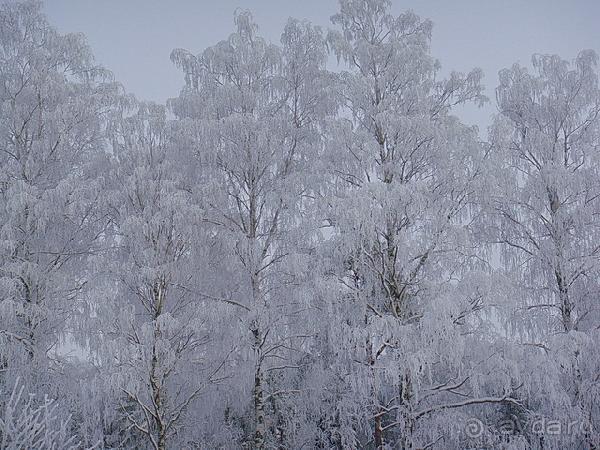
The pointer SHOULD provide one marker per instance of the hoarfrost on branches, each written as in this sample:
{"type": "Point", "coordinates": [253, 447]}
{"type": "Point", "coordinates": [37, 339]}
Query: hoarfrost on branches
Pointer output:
{"type": "Point", "coordinates": [304, 248]}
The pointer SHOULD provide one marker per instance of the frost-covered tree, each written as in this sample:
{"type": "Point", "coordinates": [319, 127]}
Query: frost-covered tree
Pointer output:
{"type": "Point", "coordinates": [286, 256]}
{"type": "Point", "coordinates": [547, 135]}
{"type": "Point", "coordinates": [545, 206]}
{"type": "Point", "coordinates": [52, 103]}
{"type": "Point", "coordinates": [257, 109]}
{"type": "Point", "coordinates": [406, 172]}
{"type": "Point", "coordinates": [26, 424]}
{"type": "Point", "coordinates": [154, 326]}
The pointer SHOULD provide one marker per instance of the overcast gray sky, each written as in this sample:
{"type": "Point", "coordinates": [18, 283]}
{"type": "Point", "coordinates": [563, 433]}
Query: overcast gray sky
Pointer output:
{"type": "Point", "coordinates": [134, 38]}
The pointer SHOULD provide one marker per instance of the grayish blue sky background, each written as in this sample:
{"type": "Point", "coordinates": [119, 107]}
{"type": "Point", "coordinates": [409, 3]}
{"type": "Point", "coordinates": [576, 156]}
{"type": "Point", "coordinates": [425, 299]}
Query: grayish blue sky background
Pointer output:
{"type": "Point", "coordinates": [134, 38]}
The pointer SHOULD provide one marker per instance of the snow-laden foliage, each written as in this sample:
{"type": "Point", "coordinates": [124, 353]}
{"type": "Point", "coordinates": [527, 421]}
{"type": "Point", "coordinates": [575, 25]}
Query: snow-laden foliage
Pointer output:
{"type": "Point", "coordinates": [52, 102]}
{"type": "Point", "coordinates": [296, 254]}
{"type": "Point", "coordinates": [544, 211]}
{"type": "Point", "coordinates": [26, 424]}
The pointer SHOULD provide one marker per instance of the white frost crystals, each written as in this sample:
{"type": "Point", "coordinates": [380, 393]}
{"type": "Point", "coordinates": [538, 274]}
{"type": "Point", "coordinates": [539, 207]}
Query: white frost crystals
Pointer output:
{"type": "Point", "coordinates": [290, 255]}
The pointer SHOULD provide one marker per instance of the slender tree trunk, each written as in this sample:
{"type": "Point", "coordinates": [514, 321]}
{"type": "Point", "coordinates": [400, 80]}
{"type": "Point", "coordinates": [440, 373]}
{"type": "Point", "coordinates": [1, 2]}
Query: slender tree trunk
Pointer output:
{"type": "Point", "coordinates": [258, 394]}
{"type": "Point", "coordinates": [565, 302]}
{"type": "Point", "coordinates": [378, 434]}
{"type": "Point", "coordinates": [157, 396]}
{"type": "Point", "coordinates": [377, 430]}
{"type": "Point", "coordinates": [162, 441]}
{"type": "Point", "coordinates": [259, 411]}
{"type": "Point", "coordinates": [156, 382]}
{"type": "Point", "coordinates": [258, 390]}
{"type": "Point", "coordinates": [566, 308]}
{"type": "Point", "coordinates": [405, 399]}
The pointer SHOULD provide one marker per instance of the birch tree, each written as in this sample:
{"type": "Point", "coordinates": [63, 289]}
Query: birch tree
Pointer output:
{"type": "Point", "coordinates": [52, 100]}
{"type": "Point", "coordinates": [258, 109]}
{"type": "Point", "coordinates": [406, 174]}
{"type": "Point", "coordinates": [546, 214]}
{"type": "Point", "coordinates": [154, 330]}
{"type": "Point", "coordinates": [285, 256]}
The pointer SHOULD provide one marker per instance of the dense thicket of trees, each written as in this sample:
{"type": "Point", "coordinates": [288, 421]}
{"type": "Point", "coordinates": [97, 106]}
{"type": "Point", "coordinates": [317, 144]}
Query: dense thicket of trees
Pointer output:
{"type": "Point", "coordinates": [292, 256]}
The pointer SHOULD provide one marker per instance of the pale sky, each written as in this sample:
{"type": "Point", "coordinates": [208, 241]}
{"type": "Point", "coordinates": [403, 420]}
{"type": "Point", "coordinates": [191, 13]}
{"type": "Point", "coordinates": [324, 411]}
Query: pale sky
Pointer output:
{"type": "Point", "coordinates": [134, 38]}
